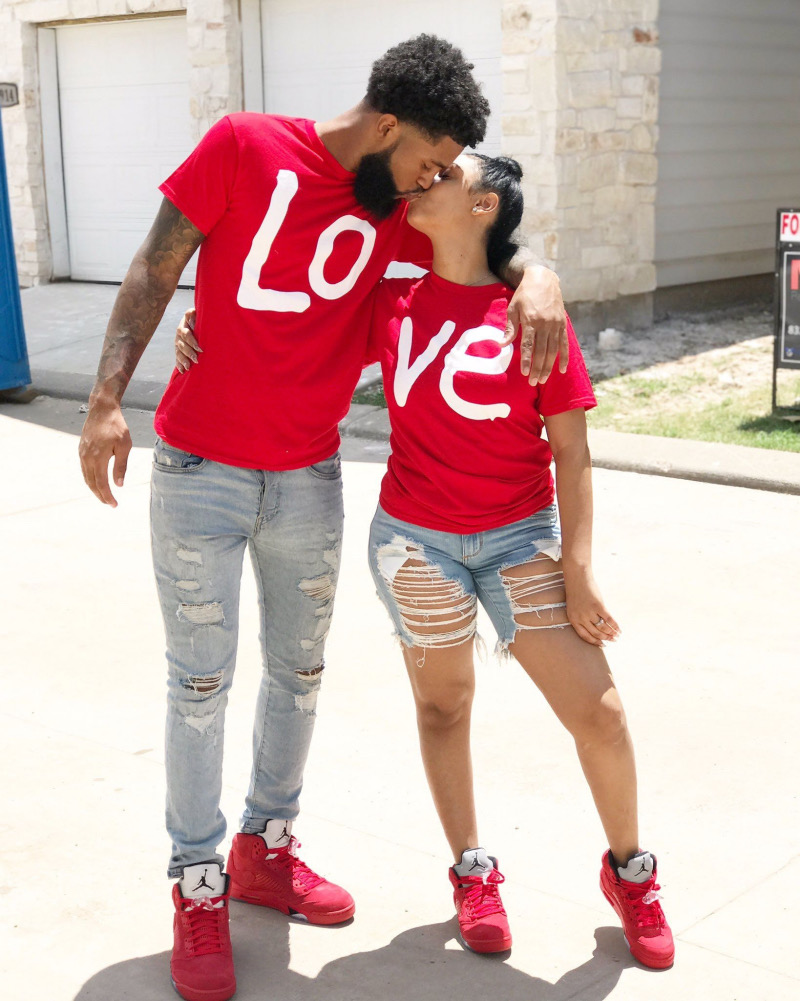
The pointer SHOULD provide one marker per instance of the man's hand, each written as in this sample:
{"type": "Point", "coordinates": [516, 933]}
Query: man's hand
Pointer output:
{"type": "Point", "coordinates": [105, 434]}
{"type": "Point", "coordinates": [186, 347]}
{"type": "Point", "coordinates": [537, 309]}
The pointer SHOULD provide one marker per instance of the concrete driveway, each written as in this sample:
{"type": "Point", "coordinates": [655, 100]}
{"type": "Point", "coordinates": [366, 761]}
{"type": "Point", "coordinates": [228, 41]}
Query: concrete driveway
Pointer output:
{"type": "Point", "coordinates": [703, 579]}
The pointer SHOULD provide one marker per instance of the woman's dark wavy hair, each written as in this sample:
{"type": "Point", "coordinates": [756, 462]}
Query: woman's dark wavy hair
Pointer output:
{"type": "Point", "coordinates": [503, 176]}
{"type": "Point", "coordinates": [428, 83]}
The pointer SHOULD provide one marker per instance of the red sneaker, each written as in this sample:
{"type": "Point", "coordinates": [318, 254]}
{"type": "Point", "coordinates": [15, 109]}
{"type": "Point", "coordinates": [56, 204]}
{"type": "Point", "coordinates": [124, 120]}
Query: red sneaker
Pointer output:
{"type": "Point", "coordinates": [643, 923]}
{"type": "Point", "coordinates": [276, 877]}
{"type": "Point", "coordinates": [202, 961]}
{"type": "Point", "coordinates": [481, 915]}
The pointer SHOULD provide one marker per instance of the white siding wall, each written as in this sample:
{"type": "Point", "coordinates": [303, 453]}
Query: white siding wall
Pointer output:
{"type": "Point", "coordinates": [318, 53]}
{"type": "Point", "coordinates": [729, 135]}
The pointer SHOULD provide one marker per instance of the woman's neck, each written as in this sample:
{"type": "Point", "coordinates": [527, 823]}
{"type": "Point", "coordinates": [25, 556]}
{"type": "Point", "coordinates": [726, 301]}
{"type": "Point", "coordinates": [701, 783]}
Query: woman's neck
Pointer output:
{"type": "Point", "coordinates": [462, 263]}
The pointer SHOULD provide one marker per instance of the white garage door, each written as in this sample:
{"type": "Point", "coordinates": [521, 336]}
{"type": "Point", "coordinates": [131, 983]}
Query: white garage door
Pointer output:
{"type": "Point", "coordinates": [729, 135]}
{"type": "Point", "coordinates": [125, 125]}
{"type": "Point", "coordinates": [317, 53]}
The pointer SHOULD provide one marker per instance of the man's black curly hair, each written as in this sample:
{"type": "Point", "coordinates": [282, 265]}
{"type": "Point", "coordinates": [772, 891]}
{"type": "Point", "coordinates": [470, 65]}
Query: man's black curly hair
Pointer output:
{"type": "Point", "coordinates": [428, 83]}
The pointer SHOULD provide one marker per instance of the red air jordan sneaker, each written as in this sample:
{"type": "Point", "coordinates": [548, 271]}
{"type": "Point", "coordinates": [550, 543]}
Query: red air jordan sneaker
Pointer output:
{"type": "Point", "coordinates": [646, 930]}
{"type": "Point", "coordinates": [276, 877]}
{"type": "Point", "coordinates": [202, 961]}
{"type": "Point", "coordinates": [481, 915]}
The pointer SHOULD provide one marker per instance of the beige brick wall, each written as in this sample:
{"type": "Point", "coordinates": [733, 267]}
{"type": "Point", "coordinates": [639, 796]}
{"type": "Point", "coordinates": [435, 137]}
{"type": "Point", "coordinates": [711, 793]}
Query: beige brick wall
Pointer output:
{"type": "Point", "coordinates": [214, 48]}
{"type": "Point", "coordinates": [580, 113]}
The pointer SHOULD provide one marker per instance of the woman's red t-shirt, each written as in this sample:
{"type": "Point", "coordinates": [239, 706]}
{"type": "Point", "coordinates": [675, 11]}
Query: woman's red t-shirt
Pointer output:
{"type": "Point", "coordinates": [467, 448]}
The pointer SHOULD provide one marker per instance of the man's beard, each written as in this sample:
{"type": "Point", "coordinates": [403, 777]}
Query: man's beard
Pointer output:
{"type": "Point", "coordinates": [374, 185]}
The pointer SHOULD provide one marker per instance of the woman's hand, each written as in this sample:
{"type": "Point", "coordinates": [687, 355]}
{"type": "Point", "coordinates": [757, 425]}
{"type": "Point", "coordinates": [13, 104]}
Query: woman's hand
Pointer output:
{"type": "Point", "coordinates": [186, 347]}
{"type": "Point", "coordinates": [586, 609]}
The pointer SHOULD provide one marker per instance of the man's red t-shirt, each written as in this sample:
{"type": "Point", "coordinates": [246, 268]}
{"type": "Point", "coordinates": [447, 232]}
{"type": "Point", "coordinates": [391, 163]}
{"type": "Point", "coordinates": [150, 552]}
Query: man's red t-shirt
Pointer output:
{"type": "Point", "coordinates": [283, 284]}
{"type": "Point", "coordinates": [467, 447]}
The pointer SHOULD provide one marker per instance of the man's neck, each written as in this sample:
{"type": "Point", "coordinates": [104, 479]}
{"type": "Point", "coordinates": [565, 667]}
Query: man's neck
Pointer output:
{"type": "Point", "coordinates": [346, 136]}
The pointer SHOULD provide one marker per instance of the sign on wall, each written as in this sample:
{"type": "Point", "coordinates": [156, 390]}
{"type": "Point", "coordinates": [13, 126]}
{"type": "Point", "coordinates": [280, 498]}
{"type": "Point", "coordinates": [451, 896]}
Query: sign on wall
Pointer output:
{"type": "Point", "coordinates": [9, 95]}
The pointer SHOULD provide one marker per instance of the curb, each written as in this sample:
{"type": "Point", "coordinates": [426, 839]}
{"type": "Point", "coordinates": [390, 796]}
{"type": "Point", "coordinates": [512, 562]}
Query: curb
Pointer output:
{"type": "Point", "coordinates": [139, 395]}
{"type": "Point", "coordinates": [703, 461]}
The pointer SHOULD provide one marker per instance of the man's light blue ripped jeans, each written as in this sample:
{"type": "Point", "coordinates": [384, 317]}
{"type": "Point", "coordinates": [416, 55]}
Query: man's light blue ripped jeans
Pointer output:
{"type": "Point", "coordinates": [203, 516]}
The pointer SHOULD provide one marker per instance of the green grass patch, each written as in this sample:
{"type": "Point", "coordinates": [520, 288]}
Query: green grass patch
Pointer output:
{"type": "Point", "coordinates": [680, 408]}
{"type": "Point", "coordinates": [683, 405]}
{"type": "Point", "coordinates": [372, 396]}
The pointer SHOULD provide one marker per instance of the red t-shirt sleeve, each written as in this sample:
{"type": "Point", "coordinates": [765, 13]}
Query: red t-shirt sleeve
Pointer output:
{"type": "Point", "coordinates": [570, 390]}
{"type": "Point", "coordinates": [385, 299]}
{"type": "Point", "coordinates": [377, 312]}
{"type": "Point", "coordinates": [413, 247]}
{"type": "Point", "coordinates": [201, 187]}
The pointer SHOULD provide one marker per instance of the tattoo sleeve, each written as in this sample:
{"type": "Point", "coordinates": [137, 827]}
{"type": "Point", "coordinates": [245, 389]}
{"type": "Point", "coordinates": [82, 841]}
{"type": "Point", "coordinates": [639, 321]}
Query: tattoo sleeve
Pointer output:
{"type": "Point", "coordinates": [143, 296]}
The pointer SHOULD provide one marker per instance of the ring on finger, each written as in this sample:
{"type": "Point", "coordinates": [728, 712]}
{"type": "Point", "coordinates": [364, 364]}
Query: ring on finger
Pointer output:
{"type": "Point", "coordinates": [600, 621]}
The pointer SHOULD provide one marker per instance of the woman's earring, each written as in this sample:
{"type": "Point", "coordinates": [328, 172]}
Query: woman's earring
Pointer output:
{"type": "Point", "coordinates": [474, 208]}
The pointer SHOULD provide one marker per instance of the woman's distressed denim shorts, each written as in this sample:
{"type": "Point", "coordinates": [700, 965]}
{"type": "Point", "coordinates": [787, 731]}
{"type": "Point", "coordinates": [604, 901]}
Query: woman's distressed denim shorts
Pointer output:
{"type": "Point", "coordinates": [432, 599]}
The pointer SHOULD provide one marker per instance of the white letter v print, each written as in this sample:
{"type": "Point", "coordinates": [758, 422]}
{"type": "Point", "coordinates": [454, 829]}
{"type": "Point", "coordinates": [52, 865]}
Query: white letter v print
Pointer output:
{"type": "Point", "coordinates": [406, 375]}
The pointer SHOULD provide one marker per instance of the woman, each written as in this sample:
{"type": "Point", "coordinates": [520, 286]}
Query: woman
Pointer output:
{"type": "Point", "coordinates": [467, 514]}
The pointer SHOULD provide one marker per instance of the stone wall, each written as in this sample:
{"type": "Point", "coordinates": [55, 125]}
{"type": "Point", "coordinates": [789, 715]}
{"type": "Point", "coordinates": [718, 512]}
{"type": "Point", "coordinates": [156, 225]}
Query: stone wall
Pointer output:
{"type": "Point", "coordinates": [580, 113]}
{"type": "Point", "coordinates": [215, 56]}
{"type": "Point", "coordinates": [215, 86]}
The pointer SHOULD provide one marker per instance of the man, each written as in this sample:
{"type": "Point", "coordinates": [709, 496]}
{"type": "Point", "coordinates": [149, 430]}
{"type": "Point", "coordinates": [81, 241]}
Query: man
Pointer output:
{"type": "Point", "coordinates": [297, 221]}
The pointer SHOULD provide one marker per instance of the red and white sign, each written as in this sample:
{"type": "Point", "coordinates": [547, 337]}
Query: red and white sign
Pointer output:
{"type": "Point", "coordinates": [789, 228]}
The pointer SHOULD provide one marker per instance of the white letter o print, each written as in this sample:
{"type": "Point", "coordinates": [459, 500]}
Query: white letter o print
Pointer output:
{"type": "Point", "coordinates": [316, 278]}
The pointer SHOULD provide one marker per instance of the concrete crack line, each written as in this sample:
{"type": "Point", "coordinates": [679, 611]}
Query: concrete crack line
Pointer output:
{"type": "Point", "coordinates": [62, 503]}
{"type": "Point", "coordinates": [76, 736]}
{"type": "Point", "coordinates": [738, 896]}
{"type": "Point", "coordinates": [738, 959]}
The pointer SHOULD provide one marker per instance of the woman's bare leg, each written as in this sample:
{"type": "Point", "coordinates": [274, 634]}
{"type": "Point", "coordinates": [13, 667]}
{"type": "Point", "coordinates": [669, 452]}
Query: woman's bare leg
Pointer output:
{"type": "Point", "coordinates": [439, 616]}
{"type": "Point", "coordinates": [443, 688]}
{"type": "Point", "coordinates": [575, 679]}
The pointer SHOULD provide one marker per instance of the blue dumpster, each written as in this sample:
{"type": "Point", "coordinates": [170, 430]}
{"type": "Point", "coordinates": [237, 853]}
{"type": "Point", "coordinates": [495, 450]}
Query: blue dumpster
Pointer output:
{"type": "Point", "coordinates": [14, 368]}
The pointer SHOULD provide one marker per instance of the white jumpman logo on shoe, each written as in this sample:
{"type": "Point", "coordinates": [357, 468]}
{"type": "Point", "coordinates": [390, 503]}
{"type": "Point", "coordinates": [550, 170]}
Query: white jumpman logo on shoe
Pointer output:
{"type": "Point", "coordinates": [203, 882]}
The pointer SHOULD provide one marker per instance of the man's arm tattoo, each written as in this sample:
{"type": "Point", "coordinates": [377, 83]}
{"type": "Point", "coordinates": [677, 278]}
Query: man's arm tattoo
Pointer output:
{"type": "Point", "coordinates": [143, 296]}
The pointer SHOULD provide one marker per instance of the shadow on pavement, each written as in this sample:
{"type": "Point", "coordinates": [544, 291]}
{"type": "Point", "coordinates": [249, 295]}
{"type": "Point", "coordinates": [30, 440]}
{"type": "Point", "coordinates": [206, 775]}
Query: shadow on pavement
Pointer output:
{"type": "Point", "coordinates": [66, 416]}
{"type": "Point", "coordinates": [414, 966]}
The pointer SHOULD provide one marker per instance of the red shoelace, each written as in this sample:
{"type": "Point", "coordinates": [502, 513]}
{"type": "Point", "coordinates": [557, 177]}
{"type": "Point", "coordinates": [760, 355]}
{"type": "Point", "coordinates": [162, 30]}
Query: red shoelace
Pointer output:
{"type": "Point", "coordinates": [482, 897]}
{"type": "Point", "coordinates": [643, 903]}
{"type": "Point", "coordinates": [300, 873]}
{"type": "Point", "coordinates": [202, 923]}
